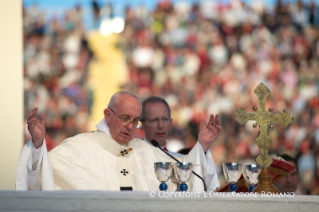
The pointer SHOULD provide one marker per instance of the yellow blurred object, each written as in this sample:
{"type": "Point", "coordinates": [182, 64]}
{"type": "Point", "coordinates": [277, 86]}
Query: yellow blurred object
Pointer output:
{"type": "Point", "coordinates": [107, 72]}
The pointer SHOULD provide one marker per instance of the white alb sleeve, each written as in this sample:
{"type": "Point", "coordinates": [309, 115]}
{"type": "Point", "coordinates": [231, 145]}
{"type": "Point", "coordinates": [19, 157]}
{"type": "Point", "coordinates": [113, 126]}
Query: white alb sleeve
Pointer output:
{"type": "Point", "coordinates": [204, 166]}
{"type": "Point", "coordinates": [34, 170]}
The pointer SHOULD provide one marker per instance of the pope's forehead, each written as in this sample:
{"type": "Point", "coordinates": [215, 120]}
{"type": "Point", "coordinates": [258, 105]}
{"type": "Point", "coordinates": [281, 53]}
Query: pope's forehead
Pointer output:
{"type": "Point", "coordinates": [128, 102]}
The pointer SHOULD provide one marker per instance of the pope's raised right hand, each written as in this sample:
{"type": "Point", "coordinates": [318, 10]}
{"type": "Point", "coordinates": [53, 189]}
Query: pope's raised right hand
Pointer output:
{"type": "Point", "coordinates": [36, 128]}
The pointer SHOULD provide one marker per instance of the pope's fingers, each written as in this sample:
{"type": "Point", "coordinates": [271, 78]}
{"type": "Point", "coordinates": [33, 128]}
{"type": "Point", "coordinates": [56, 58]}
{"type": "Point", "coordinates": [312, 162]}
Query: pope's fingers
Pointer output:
{"type": "Point", "coordinates": [219, 128]}
{"type": "Point", "coordinates": [217, 120]}
{"type": "Point", "coordinates": [32, 113]}
{"type": "Point", "coordinates": [211, 120]}
{"type": "Point", "coordinates": [34, 109]}
{"type": "Point", "coordinates": [32, 121]}
{"type": "Point", "coordinates": [42, 118]}
{"type": "Point", "coordinates": [30, 116]}
{"type": "Point", "coordinates": [215, 128]}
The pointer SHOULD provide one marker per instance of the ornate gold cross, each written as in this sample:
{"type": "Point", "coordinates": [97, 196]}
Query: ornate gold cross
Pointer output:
{"type": "Point", "coordinates": [263, 119]}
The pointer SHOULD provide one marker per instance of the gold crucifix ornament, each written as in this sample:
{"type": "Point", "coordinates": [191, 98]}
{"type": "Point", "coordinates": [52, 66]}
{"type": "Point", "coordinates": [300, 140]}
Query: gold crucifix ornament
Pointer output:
{"type": "Point", "coordinates": [263, 118]}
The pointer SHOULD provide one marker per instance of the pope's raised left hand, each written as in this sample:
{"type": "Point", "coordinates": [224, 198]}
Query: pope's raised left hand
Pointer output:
{"type": "Point", "coordinates": [209, 132]}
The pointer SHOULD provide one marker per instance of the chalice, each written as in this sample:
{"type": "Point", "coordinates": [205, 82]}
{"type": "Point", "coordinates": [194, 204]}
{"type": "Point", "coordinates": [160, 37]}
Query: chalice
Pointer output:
{"type": "Point", "coordinates": [251, 173]}
{"type": "Point", "coordinates": [232, 172]}
{"type": "Point", "coordinates": [163, 172]}
{"type": "Point", "coordinates": [183, 173]}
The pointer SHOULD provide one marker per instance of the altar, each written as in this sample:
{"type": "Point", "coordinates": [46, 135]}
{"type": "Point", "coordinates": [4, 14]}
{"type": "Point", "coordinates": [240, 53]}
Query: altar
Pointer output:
{"type": "Point", "coordinates": [146, 201]}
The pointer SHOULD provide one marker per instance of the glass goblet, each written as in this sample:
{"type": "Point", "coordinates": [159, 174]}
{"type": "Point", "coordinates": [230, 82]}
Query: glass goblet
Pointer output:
{"type": "Point", "coordinates": [183, 173]}
{"type": "Point", "coordinates": [163, 172]}
{"type": "Point", "coordinates": [251, 173]}
{"type": "Point", "coordinates": [232, 172]}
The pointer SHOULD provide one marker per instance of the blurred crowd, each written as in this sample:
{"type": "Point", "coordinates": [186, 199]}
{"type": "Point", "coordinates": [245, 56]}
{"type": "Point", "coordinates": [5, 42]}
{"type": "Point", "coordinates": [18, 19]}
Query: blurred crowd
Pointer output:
{"type": "Point", "coordinates": [208, 57]}
{"type": "Point", "coordinates": [56, 57]}
{"type": "Point", "coordinates": [203, 58]}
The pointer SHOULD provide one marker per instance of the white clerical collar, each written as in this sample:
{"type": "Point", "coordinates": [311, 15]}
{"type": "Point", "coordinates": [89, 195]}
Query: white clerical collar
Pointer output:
{"type": "Point", "coordinates": [103, 127]}
{"type": "Point", "coordinates": [116, 148]}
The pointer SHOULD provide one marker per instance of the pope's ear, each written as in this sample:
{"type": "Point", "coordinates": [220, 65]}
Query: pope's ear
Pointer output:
{"type": "Point", "coordinates": [107, 115]}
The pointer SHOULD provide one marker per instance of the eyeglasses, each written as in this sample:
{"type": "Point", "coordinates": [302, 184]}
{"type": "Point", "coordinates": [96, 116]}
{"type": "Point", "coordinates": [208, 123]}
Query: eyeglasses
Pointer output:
{"type": "Point", "coordinates": [126, 121]}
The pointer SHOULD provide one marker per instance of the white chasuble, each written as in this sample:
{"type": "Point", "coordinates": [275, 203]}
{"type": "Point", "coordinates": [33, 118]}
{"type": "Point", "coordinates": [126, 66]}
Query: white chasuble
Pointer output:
{"type": "Point", "coordinates": [80, 163]}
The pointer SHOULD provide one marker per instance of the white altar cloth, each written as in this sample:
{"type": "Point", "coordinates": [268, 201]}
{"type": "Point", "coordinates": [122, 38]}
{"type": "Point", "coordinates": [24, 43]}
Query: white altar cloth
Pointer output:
{"type": "Point", "coordinates": [141, 201]}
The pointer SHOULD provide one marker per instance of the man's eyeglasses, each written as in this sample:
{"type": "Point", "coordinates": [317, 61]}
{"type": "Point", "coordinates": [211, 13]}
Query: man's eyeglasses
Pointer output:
{"type": "Point", "coordinates": [126, 121]}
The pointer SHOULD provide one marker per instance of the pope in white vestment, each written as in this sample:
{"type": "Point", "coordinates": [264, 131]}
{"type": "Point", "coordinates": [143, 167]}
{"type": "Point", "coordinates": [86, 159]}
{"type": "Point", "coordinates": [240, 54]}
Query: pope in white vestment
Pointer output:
{"type": "Point", "coordinates": [89, 162]}
{"type": "Point", "coordinates": [95, 161]}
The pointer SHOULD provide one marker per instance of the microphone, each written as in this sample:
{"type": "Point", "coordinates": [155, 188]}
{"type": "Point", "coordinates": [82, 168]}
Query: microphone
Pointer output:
{"type": "Point", "coordinates": [155, 143]}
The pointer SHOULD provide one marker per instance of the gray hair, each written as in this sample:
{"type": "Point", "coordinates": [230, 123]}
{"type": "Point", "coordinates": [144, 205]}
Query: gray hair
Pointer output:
{"type": "Point", "coordinates": [115, 97]}
{"type": "Point", "coordinates": [153, 99]}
